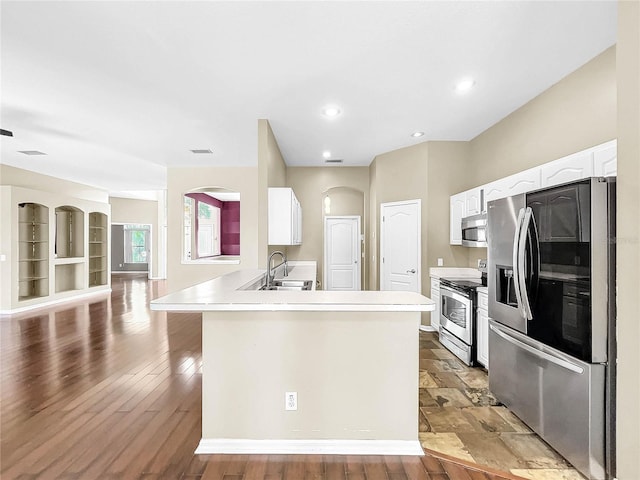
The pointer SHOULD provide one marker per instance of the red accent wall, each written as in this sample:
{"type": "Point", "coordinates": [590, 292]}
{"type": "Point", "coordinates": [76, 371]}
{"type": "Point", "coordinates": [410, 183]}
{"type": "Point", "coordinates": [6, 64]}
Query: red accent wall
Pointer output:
{"type": "Point", "coordinates": [230, 230]}
{"type": "Point", "coordinates": [229, 220]}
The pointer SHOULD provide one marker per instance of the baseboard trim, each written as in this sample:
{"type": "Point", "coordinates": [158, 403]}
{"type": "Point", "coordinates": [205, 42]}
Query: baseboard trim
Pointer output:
{"type": "Point", "coordinates": [427, 328]}
{"type": "Point", "coordinates": [101, 291]}
{"type": "Point", "coordinates": [308, 447]}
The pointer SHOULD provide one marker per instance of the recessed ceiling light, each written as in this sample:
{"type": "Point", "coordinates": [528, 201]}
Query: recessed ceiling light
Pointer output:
{"type": "Point", "coordinates": [465, 85]}
{"type": "Point", "coordinates": [31, 152]}
{"type": "Point", "coordinates": [331, 111]}
{"type": "Point", "coordinates": [201, 150]}
{"type": "Point", "coordinates": [326, 154]}
{"type": "Point", "coordinates": [417, 134]}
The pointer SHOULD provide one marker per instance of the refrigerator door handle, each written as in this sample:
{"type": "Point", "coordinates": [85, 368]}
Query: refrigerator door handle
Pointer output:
{"type": "Point", "coordinates": [516, 265]}
{"type": "Point", "coordinates": [561, 362]}
{"type": "Point", "coordinates": [522, 274]}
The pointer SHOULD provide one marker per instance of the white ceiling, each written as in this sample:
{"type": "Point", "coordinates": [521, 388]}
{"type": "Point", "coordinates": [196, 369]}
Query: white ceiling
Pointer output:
{"type": "Point", "coordinates": [114, 92]}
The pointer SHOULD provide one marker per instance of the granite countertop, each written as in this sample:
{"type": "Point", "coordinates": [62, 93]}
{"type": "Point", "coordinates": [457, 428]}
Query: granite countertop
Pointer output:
{"type": "Point", "coordinates": [225, 293]}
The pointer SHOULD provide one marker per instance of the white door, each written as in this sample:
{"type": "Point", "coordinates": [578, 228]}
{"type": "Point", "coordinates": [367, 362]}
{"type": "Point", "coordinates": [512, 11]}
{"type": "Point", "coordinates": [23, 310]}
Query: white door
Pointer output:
{"type": "Point", "coordinates": [400, 241]}
{"type": "Point", "coordinates": [342, 253]}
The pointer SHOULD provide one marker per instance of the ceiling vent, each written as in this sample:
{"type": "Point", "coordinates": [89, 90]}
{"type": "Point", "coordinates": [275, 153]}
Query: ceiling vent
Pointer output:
{"type": "Point", "coordinates": [333, 160]}
{"type": "Point", "coordinates": [31, 152]}
{"type": "Point", "coordinates": [201, 150]}
{"type": "Point", "coordinates": [6, 133]}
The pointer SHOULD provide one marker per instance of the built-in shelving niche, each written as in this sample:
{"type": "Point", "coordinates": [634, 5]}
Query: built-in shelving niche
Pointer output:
{"type": "Point", "coordinates": [69, 232]}
{"type": "Point", "coordinates": [69, 249]}
{"type": "Point", "coordinates": [33, 251]}
{"type": "Point", "coordinates": [97, 249]}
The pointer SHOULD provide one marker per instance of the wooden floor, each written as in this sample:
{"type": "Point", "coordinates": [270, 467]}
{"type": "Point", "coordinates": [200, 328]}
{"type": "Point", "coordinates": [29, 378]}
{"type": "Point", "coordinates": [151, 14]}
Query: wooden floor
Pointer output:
{"type": "Point", "coordinates": [108, 389]}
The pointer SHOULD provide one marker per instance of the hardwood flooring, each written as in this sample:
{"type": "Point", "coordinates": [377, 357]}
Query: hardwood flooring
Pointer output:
{"type": "Point", "coordinates": [107, 389]}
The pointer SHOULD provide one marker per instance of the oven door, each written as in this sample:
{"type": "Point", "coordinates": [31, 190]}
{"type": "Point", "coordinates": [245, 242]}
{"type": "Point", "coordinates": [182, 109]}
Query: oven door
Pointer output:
{"type": "Point", "coordinates": [456, 314]}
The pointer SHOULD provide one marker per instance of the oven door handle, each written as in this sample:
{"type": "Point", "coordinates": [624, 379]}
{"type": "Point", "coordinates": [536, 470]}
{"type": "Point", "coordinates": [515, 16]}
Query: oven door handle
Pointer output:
{"type": "Point", "coordinates": [561, 362]}
{"type": "Point", "coordinates": [455, 295]}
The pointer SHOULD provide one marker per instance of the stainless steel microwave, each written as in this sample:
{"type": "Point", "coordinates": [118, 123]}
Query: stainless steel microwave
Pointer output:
{"type": "Point", "coordinates": [474, 231]}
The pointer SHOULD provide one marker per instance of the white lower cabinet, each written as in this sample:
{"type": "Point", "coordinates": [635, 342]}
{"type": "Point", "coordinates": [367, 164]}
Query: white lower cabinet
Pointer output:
{"type": "Point", "coordinates": [482, 332]}
{"type": "Point", "coordinates": [435, 296]}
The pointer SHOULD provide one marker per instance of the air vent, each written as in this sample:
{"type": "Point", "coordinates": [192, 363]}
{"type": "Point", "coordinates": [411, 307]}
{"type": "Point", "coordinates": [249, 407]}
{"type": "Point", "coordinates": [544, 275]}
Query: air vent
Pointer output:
{"type": "Point", "coordinates": [31, 152]}
{"type": "Point", "coordinates": [333, 160]}
{"type": "Point", "coordinates": [201, 150]}
{"type": "Point", "coordinates": [6, 133]}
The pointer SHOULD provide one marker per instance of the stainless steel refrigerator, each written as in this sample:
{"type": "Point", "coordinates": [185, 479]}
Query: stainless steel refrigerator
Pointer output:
{"type": "Point", "coordinates": [551, 279]}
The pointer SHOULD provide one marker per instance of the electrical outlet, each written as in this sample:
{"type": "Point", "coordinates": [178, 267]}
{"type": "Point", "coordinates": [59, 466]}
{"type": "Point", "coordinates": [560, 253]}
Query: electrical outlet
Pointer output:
{"type": "Point", "coordinates": [440, 262]}
{"type": "Point", "coordinates": [291, 401]}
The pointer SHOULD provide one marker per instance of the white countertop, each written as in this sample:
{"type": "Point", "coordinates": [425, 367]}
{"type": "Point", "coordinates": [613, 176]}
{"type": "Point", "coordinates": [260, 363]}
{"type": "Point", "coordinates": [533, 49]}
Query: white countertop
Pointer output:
{"type": "Point", "coordinates": [454, 272]}
{"type": "Point", "coordinates": [223, 294]}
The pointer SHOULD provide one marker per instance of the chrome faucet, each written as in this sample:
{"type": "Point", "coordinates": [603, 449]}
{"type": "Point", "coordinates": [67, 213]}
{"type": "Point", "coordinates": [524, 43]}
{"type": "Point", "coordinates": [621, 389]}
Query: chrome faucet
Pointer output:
{"type": "Point", "coordinates": [269, 274]}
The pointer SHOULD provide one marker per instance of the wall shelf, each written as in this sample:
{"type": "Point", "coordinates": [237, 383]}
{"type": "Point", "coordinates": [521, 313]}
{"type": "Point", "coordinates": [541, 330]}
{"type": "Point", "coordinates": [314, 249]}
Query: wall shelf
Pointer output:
{"type": "Point", "coordinates": [55, 248]}
{"type": "Point", "coordinates": [97, 241]}
{"type": "Point", "coordinates": [33, 251]}
{"type": "Point", "coordinates": [69, 232]}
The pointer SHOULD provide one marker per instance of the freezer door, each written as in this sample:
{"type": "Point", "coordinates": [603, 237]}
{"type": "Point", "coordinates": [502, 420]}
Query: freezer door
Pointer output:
{"type": "Point", "coordinates": [502, 235]}
{"type": "Point", "coordinates": [559, 397]}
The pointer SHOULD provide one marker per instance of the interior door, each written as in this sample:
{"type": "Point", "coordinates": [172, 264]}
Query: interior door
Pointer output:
{"type": "Point", "coordinates": [342, 253]}
{"type": "Point", "coordinates": [400, 243]}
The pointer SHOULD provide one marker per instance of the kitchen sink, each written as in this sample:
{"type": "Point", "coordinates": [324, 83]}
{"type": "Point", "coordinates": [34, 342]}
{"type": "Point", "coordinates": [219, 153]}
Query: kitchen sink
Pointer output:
{"type": "Point", "coordinates": [289, 285]}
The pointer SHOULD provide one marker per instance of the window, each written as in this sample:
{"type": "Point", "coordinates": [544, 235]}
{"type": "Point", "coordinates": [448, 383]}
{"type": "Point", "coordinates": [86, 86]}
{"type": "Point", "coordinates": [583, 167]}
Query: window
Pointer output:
{"type": "Point", "coordinates": [208, 230]}
{"type": "Point", "coordinates": [211, 226]}
{"type": "Point", "coordinates": [136, 239]}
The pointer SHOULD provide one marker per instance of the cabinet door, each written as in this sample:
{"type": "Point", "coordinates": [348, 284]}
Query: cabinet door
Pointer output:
{"type": "Point", "coordinates": [435, 296]}
{"type": "Point", "coordinates": [495, 190]}
{"type": "Point", "coordinates": [280, 217]}
{"type": "Point", "coordinates": [568, 169]}
{"type": "Point", "coordinates": [605, 160]}
{"type": "Point", "coordinates": [473, 201]}
{"type": "Point", "coordinates": [522, 182]}
{"type": "Point", "coordinates": [457, 211]}
{"type": "Point", "coordinates": [482, 336]}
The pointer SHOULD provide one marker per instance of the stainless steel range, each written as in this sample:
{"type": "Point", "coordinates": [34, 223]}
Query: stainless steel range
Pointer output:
{"type": "Point", "coordinates": [458, 317]}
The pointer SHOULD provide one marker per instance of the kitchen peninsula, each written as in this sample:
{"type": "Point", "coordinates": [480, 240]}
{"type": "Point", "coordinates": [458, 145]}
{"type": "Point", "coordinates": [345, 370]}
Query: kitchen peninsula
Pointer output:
{"type": "Point", "coordinates": [351, 358]}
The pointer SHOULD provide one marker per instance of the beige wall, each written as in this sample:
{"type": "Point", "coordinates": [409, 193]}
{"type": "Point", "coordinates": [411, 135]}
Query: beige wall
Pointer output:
{"type": "Point", "coordinates": [576, 113]}
{"type": "Point", "coordinates": [309, 184]}
{"type": "Point", "coordinates": [182, 180]}
{"type": "Point", "coordinates": [128, 210]}
{"type": "Point", "coordinates": [272, 172]}
{"type": "Point", "coordinates": [402, 175]}
{"type": "Point", "coordinates": [447, 174]}
{"type": "Point", "coordinates": [36, 181]}
{"type": "Point", "coordinates": [628, 241]}
{"type": "Point", "coordinates": [334, 361]}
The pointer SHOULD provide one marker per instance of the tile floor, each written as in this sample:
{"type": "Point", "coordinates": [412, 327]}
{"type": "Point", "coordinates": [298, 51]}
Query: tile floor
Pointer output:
{"type": "Point", "coordinates": [460, 417]}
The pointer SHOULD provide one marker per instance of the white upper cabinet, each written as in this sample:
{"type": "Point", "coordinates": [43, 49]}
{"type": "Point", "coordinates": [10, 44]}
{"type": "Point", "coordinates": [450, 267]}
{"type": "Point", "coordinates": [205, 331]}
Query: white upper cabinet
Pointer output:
{"type": "Point", "coordinates": [522, 182]}
{"type": "Point", "coordinates": [605, 159]}
{"type": "Point", "coordinates": [473, 201]}
{"type": "Point", "coordinates": [567, 169]}
{"type": "Point", "coordinates": [457, 211]}
{"type": "Point", "coordinates": [495, 190]}
{"type": "Point", "coordinates": [599, 161]}
{"type": "Point", "coordinates": [285, 217]}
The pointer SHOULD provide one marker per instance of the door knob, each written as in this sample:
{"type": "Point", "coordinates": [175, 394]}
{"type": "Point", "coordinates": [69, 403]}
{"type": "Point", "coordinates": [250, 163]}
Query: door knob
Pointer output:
{"type": "Point", "coordinates": [413, 270]}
